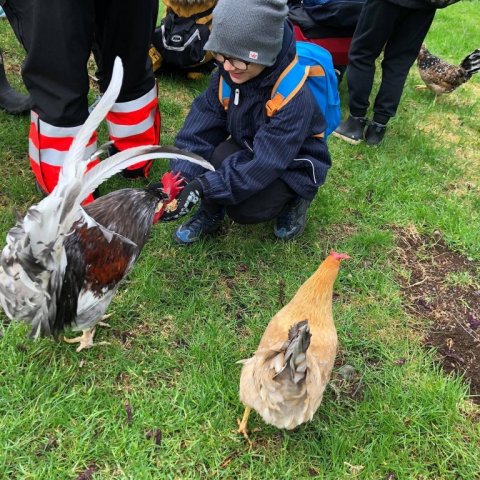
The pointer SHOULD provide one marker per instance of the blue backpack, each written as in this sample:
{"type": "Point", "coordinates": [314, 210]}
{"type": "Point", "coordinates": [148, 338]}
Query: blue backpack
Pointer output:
{"type": "Point", "coordinates": [312, 64]}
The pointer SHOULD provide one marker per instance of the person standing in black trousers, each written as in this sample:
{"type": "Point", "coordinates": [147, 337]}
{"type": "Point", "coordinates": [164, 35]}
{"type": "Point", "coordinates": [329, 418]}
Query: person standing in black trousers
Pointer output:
{"type": "Point", "coordinates": [58, 36]}
{"type": "Point", "coordinates": [398, 27]}
{"type": "Point", "coordinates": [11, 101]}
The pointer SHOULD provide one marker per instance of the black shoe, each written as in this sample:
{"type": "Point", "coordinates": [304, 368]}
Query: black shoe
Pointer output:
{"type": "Point", "coordinates": [11, 101]}
{"type": "Point", "coordinates": [374, 133]}
{"type": "Point", "coordinates": [351, 130]}
{"type": "Point", "coordinates": [292, 220]}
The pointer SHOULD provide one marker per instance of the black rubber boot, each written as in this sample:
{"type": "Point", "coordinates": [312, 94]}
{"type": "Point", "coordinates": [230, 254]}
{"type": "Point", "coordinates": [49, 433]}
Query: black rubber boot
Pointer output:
{"type": "Point", "coordinates": [11, 101]}
{"type": "Point", "coordinates": [351, 130]}
{"type": "Point", "coordinates": [374, 133]}
{"type": "Point", "coordinates": [129, 174]}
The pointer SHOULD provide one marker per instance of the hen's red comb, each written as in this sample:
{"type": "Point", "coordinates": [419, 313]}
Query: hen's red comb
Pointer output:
{"type": "Point", "coordinates": [172, 184]}
{"type": "Point", "coordinates": [339, 256]}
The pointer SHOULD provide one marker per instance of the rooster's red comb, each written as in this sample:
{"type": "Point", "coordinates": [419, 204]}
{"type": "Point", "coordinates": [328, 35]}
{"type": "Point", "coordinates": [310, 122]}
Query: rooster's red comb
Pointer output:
{"type": "Point", "coordinates": [172, 184]}
{"type": "Point", "coordinates": [339, 256]}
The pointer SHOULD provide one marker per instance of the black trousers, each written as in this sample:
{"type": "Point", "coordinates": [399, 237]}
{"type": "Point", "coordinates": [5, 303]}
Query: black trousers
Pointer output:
{"type": "Point", "coordinates": [58, 36]}
{"type": "Point", "coordinates": [398, 30]}
{"type": "Point", "coordinates": [260, 207]}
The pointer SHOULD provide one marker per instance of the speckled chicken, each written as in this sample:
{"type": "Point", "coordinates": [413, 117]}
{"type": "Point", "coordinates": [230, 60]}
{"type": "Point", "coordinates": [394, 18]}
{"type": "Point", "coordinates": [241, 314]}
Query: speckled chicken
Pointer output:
{"type": "Point", "coordinates": [285, 379]}
{"type": "Point", "coordinates": [63, 263]}
{"type": "Point", "coordinates": [442, 77]}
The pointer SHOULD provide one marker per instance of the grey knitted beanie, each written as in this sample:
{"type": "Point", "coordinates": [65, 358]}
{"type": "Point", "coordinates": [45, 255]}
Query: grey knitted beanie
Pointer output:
{"type": "Point", "coordinates": [250, 30]}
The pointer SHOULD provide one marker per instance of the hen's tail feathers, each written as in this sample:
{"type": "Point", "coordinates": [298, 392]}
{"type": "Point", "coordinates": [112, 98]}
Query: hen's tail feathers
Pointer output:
{"type": "Point", "coordinates": [295, 351]}
{"type": "Point", "coordinates": [114, 164]}
{"type": "Point", "coordinates": [471, 63]}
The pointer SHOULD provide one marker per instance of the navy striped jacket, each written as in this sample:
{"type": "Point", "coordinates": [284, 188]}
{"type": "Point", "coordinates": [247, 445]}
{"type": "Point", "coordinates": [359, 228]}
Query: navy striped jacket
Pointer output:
{"type": "Point", "coordinates": [282, 146]}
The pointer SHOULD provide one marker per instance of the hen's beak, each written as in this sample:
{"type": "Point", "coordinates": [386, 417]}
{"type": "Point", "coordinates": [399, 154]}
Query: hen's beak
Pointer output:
{"type": "Point", "coordinates": [160, 206]}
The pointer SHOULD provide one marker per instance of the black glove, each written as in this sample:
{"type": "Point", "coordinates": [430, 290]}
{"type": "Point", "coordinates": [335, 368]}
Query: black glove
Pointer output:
{"type": "Point", "coordinates": [186, 200]}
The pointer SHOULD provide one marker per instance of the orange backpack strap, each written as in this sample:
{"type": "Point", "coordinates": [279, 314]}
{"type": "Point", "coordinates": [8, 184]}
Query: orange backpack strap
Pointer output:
{"type": "Point", "coordinates": [286, 87]}
{"type": "Point", "coordinates": [224, 91]}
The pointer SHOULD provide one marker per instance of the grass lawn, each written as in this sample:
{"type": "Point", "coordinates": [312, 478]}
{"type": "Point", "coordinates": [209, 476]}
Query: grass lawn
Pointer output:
{"type": "Point", "coordinates": [161, 400]}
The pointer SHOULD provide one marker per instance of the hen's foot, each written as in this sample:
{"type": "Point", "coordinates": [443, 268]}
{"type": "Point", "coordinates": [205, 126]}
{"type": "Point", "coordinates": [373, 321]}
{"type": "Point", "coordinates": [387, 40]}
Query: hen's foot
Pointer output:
{"type": "Point", "coordinates": [85, 341]}
{"type": "Point", "coordinates": [242, 425]}
{"type": "Point", "coordinates": [420, 87]}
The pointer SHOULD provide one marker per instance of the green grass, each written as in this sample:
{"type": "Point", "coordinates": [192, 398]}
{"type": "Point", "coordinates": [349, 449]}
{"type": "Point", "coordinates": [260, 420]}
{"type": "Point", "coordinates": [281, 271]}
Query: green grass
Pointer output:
{"type": "Point", "coordinates": [186, 315]}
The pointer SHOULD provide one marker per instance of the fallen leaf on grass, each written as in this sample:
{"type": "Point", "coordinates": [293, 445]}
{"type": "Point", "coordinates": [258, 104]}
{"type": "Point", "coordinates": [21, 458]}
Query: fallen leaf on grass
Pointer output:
{"type": "Point", "coordinates": [128, 409]}
{"type": "Point", "coordinates": [229, 459]}
{"type": "Point", "coordinates": [156, 434]}
{"type": "Point", "coordinates": [354, 469]}
{"type": "Point", "coordinates": [87, 474]}
{"type": "Point", "coordinates": [241, 267]}
{"type": "Point", "coordinates": [472, 321]}
{"type": "Point", "coordinates": [281, 292]}
{"type": "Point", "coordinates": [50, 445]}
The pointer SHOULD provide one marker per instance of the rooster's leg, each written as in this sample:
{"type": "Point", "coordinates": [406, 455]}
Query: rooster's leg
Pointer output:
{"type": "Point", "coordinates": [242, 425]}
{"type": "Point", "coordinates": [85, 341]}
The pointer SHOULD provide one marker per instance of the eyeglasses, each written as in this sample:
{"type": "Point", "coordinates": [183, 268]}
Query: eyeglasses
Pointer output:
{"type": "Point", "coordinates": [234, 62]}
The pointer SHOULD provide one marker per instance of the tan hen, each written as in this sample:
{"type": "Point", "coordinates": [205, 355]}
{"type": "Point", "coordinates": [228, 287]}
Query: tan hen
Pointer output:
{"type": "Point", "coordinates": [285, 379]}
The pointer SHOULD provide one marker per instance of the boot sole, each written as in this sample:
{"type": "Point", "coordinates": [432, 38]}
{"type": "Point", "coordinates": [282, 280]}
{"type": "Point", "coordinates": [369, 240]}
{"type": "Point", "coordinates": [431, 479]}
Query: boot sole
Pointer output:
{"type": "Point", "coordinates": [290, 237]}
{"type": "Point", "coordinates": [349, 140]}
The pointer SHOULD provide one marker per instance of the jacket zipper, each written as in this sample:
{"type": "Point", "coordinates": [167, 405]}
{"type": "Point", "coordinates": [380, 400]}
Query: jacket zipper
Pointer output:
{"type": "Point", "coordinates": [236, 99]}
{"type": "Point", "coordinates": [248, 146]}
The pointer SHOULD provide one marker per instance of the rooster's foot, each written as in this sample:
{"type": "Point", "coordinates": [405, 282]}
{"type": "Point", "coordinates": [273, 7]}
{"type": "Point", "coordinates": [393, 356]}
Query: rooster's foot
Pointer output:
{"type": "Point", "coordinates": [420, 87]}
{"type": "Point", "coordinates": [104, 324]}
{"type": "Point", "coordinates": [85, 341]}
{"type": "Point", "coordinates": [242, 425]}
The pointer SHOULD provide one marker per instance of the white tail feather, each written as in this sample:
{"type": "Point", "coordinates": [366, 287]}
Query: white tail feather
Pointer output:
{"type": "Point", "coordinates": [114, 164]}
{"type": "Point", "coordinates": [74, 165]}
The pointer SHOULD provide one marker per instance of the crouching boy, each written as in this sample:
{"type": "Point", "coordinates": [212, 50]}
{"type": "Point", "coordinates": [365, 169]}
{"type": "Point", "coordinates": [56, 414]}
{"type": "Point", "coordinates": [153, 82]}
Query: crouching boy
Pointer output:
{"type": "Point", "coordinates": [267, 167]}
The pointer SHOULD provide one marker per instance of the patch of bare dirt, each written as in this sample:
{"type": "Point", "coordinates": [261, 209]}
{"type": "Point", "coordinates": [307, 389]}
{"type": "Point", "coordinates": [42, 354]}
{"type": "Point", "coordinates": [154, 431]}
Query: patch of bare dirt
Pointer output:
{"type": "Point", "coordinates": [443, 287]}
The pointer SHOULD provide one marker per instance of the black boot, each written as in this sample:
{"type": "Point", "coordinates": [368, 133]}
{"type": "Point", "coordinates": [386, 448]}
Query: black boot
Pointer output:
{"type": "Point", "coordinates": [374, 133]}
{"type": "Point", "coordinates": [129, 174]}
{"type": "Point", "coordinates": [11, 101]}
{"type": "Point", "coordinates": [351, 130]}
{"type": "Point", "coordinates": [292, 219]}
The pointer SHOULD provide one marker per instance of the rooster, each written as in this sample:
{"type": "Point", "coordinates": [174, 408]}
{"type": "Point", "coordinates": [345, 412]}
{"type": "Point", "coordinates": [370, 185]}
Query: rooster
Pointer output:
{"type": "Point", "coordinates": [442, 77]}
{"type": "Point", "coordinates": [285, 379]}
{"type": "Point", "coordinates": [63, 263]}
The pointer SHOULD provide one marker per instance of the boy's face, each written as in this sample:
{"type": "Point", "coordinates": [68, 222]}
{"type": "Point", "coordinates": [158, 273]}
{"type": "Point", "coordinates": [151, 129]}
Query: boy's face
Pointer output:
{"type": "Point", "coordinates": [239, 71]}
{"type": "Point", "coordinates": [241, 76]}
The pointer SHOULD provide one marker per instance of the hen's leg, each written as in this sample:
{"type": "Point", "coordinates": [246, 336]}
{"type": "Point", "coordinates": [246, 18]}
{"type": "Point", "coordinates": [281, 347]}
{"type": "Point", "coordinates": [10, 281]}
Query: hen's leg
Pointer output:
{"type": "Point", "coordinates": [85, 341]}
{"type": "Point", "coordinates": [242, 425]}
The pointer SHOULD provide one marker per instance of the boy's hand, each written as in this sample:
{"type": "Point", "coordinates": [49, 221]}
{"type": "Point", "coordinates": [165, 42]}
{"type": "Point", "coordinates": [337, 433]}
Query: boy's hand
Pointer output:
{"type": "Point", "coordinates": [186, 200]}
